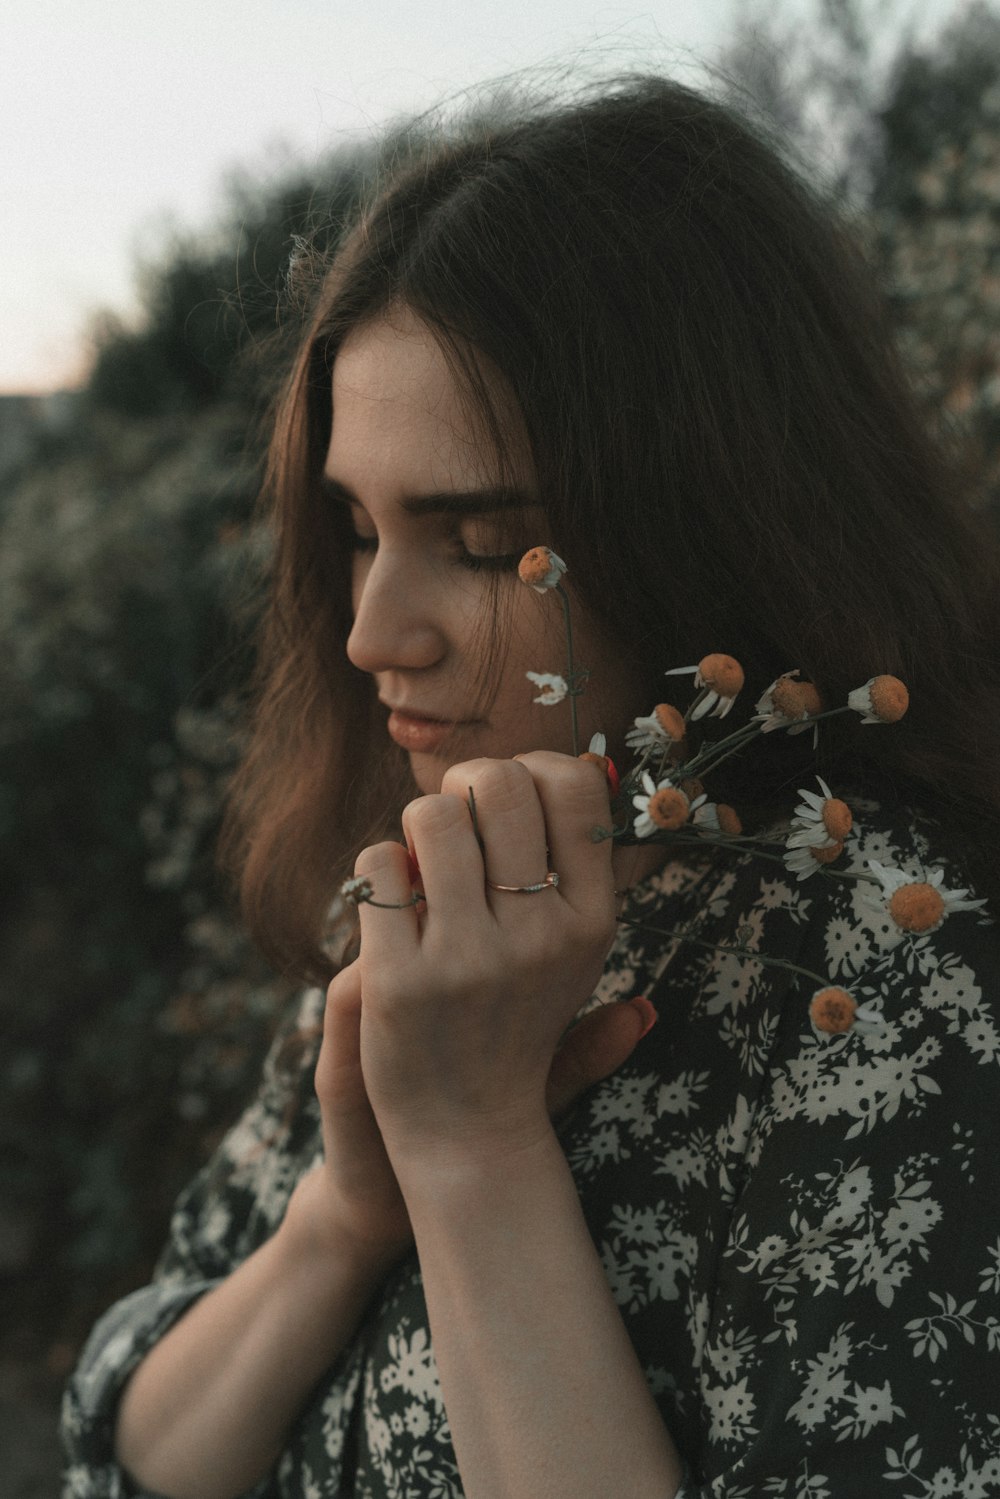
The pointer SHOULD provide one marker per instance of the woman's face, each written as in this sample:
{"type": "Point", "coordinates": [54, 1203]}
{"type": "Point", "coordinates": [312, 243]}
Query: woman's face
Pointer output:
{"type": "Point", "coordinates": [434, 534]}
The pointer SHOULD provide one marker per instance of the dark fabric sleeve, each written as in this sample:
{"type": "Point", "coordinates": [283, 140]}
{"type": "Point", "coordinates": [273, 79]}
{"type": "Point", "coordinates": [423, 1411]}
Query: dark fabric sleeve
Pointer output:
{"type": "Point", "coordinates": [229, 1209]}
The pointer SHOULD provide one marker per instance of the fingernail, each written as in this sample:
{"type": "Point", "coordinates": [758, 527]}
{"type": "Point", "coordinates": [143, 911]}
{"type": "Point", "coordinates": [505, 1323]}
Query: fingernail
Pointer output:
{"type": "Point", "coordinates": [647, 1011]}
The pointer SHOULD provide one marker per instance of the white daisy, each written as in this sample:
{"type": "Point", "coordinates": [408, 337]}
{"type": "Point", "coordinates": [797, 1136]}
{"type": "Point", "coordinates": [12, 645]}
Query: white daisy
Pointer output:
{"type": "Point", "coordinates": [918, 903]}
{"type": "Point", "coordinates": [880, 700]}
{"type": "Point", "coordinates": [541, 569]}
{"type": "Point", "coordinates": [663, 808]}
{"type": "Point", "coordinates": [819, 821]}
{"type": "Point", "coordinates": [716, 817]}
{"type": "Point", "coordinates": [664, 728]}
{"type": "Point", "coordinates": [554, 688]}
{"type": "Point", "coordinates": [720, 677]}
{"type": "Point", "coordinates": [805, 859]}
{"type": "Point", "coordinates": [790, 705]}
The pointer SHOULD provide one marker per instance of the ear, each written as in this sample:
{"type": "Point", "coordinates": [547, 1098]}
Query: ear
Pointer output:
{"type": "Point", "coordinates": [594, 1048]}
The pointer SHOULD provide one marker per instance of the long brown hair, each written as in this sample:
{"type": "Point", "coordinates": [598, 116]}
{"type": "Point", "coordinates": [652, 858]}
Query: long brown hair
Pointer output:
{"type": "Point", "coordinates": [726, 445]}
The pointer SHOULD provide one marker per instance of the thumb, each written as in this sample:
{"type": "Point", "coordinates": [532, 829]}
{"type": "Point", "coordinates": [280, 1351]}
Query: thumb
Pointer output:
{"type": "Point", "coordinates": [594, 1048]}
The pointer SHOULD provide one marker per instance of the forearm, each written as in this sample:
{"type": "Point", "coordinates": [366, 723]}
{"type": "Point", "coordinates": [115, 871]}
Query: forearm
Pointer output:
{"type": "Point", "coordinates": [207, 1412]}
{"type": "Point", "coordinates": [544, 1394]}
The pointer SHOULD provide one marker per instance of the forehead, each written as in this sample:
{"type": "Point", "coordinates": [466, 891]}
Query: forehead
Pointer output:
{"type": "Point", "coordinates": [397, 403]}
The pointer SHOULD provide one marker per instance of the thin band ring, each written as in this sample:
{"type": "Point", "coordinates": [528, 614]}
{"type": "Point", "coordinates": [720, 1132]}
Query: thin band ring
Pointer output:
{"type": "Point", "coordinates": [550, 882]}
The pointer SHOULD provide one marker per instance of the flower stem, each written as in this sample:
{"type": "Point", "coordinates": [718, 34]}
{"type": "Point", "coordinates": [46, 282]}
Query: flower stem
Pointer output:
{"type": "Point", "coordinates": [570, 667]}
{"type": "Point", "coordinates": [683, 935]}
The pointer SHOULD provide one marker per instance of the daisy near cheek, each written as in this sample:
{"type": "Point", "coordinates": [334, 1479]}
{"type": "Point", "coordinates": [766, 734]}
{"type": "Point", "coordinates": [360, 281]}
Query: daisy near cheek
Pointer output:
{"type": "Point", "coordinates": [554, 688]}
{"type": "Point", "coordinates": [541, 569]}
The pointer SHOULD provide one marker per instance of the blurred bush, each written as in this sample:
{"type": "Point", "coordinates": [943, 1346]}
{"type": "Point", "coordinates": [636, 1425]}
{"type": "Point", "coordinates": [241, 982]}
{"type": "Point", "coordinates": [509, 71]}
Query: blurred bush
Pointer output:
{"type": "Point", "coordinates": [133, 1013]}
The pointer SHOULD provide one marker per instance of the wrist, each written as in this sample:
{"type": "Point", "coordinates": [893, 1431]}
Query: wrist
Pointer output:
{"type": "Point", "coordinates": [472, 1165]}
{"type": "Point", "coordinates": [318, 1240]}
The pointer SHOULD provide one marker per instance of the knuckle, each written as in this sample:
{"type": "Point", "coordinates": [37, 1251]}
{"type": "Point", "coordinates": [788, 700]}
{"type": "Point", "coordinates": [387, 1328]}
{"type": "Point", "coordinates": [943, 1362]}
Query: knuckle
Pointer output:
{"type": "Point", "coordinates": [502, 782]}
{"type": "Point", "coordinates": [435, 814]}
{"type": "Point", "coordinates": [375, 857]}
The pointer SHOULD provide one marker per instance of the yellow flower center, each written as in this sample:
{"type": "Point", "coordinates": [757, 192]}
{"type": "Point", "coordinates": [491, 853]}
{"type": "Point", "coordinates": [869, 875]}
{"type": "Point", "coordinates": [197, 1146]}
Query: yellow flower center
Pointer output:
{"type": "Point", "coordinates": [669, 808]}
{"type": "Point", "coordinates": [795, 699]}
{"type": "Point", "coordinates": [692, 788]}
{"type": "Point", "coordinates": [722, 673]}
{"type": "Point", "coordinates": [832, 1010]}
{"type": "Point", "coordinates": [917, 907]}
{"type": "Point", "coordinates": [837, 818]}
{"type": "Point", "coordinates": [729, 822]}
{"type": "Point", "coordinates": [670, 721]}
{"type": "Point", "coordinates": [827, 855]}
{"type": "Point", "coordinates": [535, 565]}
{"type": "Point", "coordinates": [889, 699]}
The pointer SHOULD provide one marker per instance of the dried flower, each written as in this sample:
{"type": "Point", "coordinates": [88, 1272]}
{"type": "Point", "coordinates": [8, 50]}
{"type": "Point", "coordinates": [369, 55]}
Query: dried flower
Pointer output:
{"type": "Point", "coordinates": [664, 807]}
{"type": "Point", "coordinates": [554, 688]}
{"type": "Point", "coordinates": [919, 905]}
{"type": "Point", "coordinates": [788, 704]}
{"type": "Point", "coordinates": [804, 860]}
{"type": "Point", "coordinates": [720, 677]}
{"type": "Point", "coordinates": [663, 729]}
{"type": "Point", "coordinates": [832, 1010]}
{"type": "Point", "coordinates": [541, 569]}
{"type": "Point", "coordinates": [718, 817]}
{"type": "Point", "coordinates": [820, 821]}
{"type": "Point", "coordinates": [880, 700]}
{"type": "Point", "coordinates": [357, 890]}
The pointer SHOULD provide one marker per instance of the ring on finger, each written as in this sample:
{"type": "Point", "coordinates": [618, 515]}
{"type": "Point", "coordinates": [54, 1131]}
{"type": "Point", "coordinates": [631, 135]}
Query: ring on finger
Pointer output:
{"type": "Point", "coordinates": [550, 882]}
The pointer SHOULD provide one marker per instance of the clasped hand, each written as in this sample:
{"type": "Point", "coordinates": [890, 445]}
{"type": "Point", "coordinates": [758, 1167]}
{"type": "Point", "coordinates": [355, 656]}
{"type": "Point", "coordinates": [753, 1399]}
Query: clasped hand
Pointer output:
{"type": "Point", "coordinates": [443, 1038]}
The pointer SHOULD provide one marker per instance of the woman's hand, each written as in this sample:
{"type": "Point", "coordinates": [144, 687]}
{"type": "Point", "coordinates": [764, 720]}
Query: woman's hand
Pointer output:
{"type": "Point", "coordinates": [356, 1192]}
{"type": "Point", "coordinates": [465, 999]}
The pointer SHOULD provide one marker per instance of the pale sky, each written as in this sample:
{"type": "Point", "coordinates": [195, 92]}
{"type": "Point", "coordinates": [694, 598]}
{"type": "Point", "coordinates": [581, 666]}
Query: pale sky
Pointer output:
{"type": "Point", "coordinates": [118, 116]}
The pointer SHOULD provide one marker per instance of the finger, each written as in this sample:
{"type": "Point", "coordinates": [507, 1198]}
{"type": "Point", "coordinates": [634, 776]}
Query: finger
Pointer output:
{"type": "Point", "coordinates": [595, 1048]}
{"type": "Point", "coordinates": [440, 831]}
{"type": "Point", "coordinates": [509, 818]}
{"type": "Point", "coordinates": [573, 796]}
{"type": "Point", "coordinates": [390, 929]}
{"type": "Point", "coordinates": [339, 1082]}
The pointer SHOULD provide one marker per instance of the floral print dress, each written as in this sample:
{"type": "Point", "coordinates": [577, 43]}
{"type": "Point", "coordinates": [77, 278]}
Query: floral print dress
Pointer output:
{"type": "Point", "coordinates": [801, 1230]}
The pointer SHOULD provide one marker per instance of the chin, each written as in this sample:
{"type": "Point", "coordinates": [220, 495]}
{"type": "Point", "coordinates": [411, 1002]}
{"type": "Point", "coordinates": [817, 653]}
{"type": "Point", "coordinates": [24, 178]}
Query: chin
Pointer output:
{"type": "Point", "coordinates": [428, 773]}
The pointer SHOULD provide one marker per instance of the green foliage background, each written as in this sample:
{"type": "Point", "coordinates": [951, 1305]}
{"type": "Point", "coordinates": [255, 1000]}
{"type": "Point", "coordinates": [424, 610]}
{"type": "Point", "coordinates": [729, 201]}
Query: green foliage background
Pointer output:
{"type": "Point", "coordinates": [133, 1012]}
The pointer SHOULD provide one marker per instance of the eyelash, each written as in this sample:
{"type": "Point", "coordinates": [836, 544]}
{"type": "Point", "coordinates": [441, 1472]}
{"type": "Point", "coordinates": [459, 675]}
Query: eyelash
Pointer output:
{"type": "Point", "coordinates": [472, 561]}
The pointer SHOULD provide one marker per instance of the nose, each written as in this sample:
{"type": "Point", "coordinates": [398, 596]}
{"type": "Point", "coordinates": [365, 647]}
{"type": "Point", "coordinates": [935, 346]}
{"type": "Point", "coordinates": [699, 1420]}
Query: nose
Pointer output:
{"type": "Point", "coordinates": [397, 621]}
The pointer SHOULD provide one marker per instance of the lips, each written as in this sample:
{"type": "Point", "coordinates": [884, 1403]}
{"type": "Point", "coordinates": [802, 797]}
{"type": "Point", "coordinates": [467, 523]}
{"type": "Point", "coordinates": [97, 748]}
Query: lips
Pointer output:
{"type": "Point", "coordinates": [418, 731]}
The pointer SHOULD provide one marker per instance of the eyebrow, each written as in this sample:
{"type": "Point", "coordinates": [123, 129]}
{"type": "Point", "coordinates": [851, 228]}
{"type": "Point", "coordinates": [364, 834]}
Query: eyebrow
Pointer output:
{"type": "Point", "coordinates": [445, 502]}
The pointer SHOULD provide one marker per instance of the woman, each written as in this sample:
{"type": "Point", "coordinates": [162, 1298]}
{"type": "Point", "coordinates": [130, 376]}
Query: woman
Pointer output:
{"type": "Point", "coordinates": [756, 1258]}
